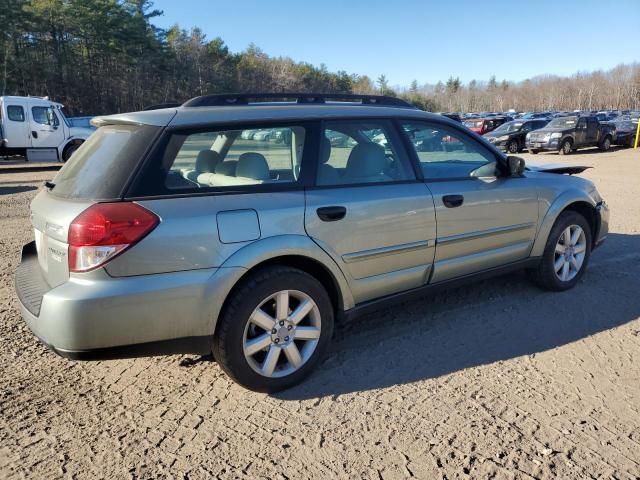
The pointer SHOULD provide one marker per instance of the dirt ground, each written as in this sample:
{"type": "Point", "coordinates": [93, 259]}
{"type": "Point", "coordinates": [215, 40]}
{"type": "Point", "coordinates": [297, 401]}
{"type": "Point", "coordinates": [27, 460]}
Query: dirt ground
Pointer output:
{"type": "Point", "coordinates": [493, 380]}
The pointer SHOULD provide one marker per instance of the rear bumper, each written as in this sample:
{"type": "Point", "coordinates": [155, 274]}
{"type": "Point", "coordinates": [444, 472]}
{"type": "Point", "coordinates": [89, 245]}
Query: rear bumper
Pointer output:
{"type": "Point", "coordinates": [96, 316]}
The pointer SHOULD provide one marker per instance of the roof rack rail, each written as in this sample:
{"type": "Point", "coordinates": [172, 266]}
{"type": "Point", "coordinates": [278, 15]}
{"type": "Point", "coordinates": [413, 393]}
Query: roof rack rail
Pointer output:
{"type": "Point", "coordinates": [232, 99]}
{"type": "Point", "coordinates": [162, 105]}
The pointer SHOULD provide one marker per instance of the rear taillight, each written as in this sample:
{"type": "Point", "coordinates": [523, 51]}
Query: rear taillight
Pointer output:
{"type": "Point", "coordinates": [105, 230]}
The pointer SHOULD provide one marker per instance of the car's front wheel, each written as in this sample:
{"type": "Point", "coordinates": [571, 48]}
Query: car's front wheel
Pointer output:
{"type": "Point", "coordinates": [513, 147]}
{"type": "Point", "coordinates": [566, 148]}
{"type": "Point", "coordinates": [274, 330]}
{"type": "Point", "coordinates": [566, 253]}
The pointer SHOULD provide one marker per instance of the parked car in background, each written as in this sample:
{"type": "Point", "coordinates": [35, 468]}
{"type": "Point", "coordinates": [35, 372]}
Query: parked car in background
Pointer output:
{"type": "Point", "coordinates": [263, 135]}
{"type": "Point", "coordinates": [510, 136]}
{"type": "Point", "coordinates": [567, 134]}
{"type": "Point", "coordinates": [624, 132]}
{"type": "Point", "coordinates": [37, 129]}
{"type": "Point", "coordinates": [484, 125]}
{"type": "Point", "coordinates": [255, 263]}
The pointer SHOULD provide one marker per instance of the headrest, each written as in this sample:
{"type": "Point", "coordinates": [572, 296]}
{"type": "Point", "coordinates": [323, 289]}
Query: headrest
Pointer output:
{"type": "Point", "coordinates": [366, 160]}
{"type": "Point", "coordinates": [228, 167]}
{"type": "Point", "coordinates": [206, 161]}
{"type": "Point", "coordinates": [325, 150]}
{"type": "Point", "coordinates": [252, 165]}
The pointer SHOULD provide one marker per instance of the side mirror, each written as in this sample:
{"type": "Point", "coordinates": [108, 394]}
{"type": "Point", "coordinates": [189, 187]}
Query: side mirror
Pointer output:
{"type": "Point", "coordinates": [516, 166]}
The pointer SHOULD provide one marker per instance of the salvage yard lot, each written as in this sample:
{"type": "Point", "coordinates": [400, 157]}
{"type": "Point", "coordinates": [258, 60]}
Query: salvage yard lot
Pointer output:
{"type": "Point", "coordinates": [494, 379]}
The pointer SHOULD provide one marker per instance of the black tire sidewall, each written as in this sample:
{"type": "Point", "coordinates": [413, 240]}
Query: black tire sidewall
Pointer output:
{"type": "Point", "coordinates": [562, 147]}
{"type": "Point", "coordinates": [513, 142]}
{"type": "Point", "coordinates": [228, 341]}
{"type": "Point", "coordinates": [547, 274]}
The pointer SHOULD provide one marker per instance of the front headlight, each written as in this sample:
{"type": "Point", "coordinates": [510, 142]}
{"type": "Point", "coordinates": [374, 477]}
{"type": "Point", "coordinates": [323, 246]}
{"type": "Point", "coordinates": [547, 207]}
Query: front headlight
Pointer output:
{"type": "Point", "coordinates": [555, 135]}
{"type": "Point", "coordinates": [503, 138]}
{"type": "Point", "coordinates": [528, 136]}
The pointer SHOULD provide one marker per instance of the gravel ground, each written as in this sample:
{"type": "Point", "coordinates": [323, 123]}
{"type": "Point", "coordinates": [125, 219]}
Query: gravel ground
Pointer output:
{"type": "Point", "coordinates": [494, 380]}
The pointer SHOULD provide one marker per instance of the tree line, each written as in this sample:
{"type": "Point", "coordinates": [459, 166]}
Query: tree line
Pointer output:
{"type": "Point", "coordinates": [106, 56]}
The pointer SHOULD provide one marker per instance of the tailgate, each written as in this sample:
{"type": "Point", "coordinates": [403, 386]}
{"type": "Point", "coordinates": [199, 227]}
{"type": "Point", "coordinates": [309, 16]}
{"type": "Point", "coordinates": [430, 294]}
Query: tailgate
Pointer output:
{"type": "Point", "coordinates": [51, 217]}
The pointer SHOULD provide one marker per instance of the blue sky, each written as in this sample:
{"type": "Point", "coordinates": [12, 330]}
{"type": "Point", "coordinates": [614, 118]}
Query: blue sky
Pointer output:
{"type": "Point", "coordinates": [425, 40]}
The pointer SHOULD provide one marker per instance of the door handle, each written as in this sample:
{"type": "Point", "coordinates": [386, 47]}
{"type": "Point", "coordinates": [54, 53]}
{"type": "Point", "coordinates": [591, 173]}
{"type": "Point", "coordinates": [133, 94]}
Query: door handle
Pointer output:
{"type": "Point", "coordinates": [331, 214]}
{"type": "Point", "coordinates": [34, 134]}
{"type": "Point", "coordinates": [452, 201]}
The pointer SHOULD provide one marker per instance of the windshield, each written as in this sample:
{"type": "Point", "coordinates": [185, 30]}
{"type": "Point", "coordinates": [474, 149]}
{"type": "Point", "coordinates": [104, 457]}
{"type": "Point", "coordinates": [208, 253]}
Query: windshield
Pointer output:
{"type": "Point", "coordinates": [624, 125]}
{"type": "Point", "coordinates": [563, 122]}
{"type": "Point", "coordinates": [509, 127]}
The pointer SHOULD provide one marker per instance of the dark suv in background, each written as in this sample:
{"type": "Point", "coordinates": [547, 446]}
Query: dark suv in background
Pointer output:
{"type": "Point", "coordinates": [567, 134]}
{"type": "Point", "coordinates": [510, 136]}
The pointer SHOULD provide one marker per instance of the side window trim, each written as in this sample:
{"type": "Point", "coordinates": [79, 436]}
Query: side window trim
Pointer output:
{"type": "Point", "coordinates": [413, 154]}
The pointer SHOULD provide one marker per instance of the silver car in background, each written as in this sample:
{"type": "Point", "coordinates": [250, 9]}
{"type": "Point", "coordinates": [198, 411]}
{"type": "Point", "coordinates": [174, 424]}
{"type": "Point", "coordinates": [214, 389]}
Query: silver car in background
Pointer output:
{"type": "Point", "coordinates": [175, 231]}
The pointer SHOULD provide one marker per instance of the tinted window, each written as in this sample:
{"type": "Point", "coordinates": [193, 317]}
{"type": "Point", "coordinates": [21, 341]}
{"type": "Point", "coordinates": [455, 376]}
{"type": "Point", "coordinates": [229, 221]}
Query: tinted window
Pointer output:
{"type": "Point", "coordinates": [356, 152]}
{"type": "Point", "coordinates": [15, 113]}
{"type": "Point", "coordinates": [229, 158]}
{"type": "Point", "coordinates": [100, 168]}
{"type": "Point", "coordinates": [446, 153]}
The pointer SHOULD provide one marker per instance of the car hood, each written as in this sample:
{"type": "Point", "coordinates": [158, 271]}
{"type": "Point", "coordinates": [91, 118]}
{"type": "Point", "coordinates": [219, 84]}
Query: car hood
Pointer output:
{"type": "Point", "coordinates": [551, 130]}
{"type": "Point", "coordinates": [561, 168]}
{"type": "Point", "coordinates": [493, 133]}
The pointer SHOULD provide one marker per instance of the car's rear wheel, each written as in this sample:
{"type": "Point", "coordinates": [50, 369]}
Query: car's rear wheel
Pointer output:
{"type": "Point", "coordinates": [566, 148]}
{"type": "Point", "coordinates": [274, 330]}
{"type": "Point", "coordinates": [513, 146]}
{"type": "Point", "coordinates": [606, 144]}
{"type": "Point", "coordinates": [566, 253]}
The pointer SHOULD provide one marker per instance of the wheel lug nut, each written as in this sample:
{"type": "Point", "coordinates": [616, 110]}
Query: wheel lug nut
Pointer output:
{"type": "Point", "coordinates": [286, 339]}
{"type": "Point", "coordinates": [277, 340]}
{"type": "Point", "coordinates": [289, 327]}
{"type": "Point", "coordinates": [274, 331]}
{"type": "Point", "coordinates": [281, 323]}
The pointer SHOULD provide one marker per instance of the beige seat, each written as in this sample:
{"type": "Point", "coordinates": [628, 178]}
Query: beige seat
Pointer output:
{"type": "Point", "coordinates": [253, 165]}
{"type": "Point", "coordinates": [366, 164]}
{"type": "Point", "coordinates": [206, 162]}
{"type": "Point", "coordinates": [327, 174]}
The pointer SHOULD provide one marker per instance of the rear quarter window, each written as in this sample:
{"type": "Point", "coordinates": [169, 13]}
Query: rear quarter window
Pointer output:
{"type": "Point", "coordinates": [101, 168]}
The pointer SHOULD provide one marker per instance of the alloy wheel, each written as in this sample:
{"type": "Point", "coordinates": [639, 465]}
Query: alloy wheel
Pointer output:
{"type": "Point", "coordinates": [570, 252]}
{"type": "Point", "coordinates": [282, 333]}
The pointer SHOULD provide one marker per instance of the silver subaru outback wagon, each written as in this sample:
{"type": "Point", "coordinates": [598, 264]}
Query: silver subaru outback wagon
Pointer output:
{"type": "Point", "coordinates": [245, 226]}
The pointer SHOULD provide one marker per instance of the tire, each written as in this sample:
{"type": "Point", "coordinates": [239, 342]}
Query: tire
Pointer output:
{"type": "Point", "coordinates": [513, 146]}
{"type": "Point", "coordinates": [566, 148]}
{"type": "Point", "coordinates": [533, 152]}
{"type": "Point", "coordinates": [546, 275]}
{"type": "Point", "coordinates": [232, 347]}
{"type": "Point", "coordinates": [606, 144]}
{"type": "Point", "coordinates": [70, 150]}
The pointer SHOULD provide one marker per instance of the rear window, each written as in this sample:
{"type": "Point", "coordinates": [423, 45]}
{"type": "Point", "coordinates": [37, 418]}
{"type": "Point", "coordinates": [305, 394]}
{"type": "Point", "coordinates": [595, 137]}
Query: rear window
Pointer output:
{"type": "Point", "coordinates": [102, 166]}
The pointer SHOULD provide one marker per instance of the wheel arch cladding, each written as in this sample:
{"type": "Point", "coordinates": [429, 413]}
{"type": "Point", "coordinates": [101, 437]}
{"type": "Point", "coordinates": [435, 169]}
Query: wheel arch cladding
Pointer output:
{"type": "Point", "coordinates": [294, 251]}
{"type": "Point", "coordinates": [570, 201]}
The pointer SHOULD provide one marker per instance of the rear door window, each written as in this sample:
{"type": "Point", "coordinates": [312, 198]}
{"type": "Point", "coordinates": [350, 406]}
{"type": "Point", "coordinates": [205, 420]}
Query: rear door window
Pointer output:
{"type": "Point", "coordinates": [15, 113]}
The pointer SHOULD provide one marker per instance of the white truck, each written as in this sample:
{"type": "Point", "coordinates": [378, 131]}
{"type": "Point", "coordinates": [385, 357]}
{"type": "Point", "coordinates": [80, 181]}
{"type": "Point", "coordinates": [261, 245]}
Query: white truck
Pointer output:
{"type": "Point", "coordinates": [36, 128]}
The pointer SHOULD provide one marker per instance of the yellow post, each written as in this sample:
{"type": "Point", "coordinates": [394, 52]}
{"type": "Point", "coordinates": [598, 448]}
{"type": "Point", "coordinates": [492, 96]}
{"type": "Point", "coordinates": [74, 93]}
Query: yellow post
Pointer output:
{"type": "Point", "coordinates": [637, 134]}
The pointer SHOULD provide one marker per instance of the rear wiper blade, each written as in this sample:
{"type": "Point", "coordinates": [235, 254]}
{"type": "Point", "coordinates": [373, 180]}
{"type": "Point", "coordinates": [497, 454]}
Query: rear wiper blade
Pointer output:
{"type": "Point", "coordinates": [49, 185]}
